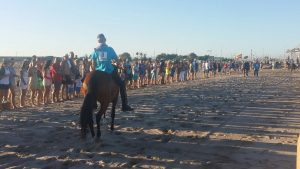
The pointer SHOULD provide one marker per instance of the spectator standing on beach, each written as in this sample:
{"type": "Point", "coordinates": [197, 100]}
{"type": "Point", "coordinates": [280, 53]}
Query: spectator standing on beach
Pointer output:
{"type": "Point", "coordinates": [47, 81]}
{"type": "Point", "coordinates": [206, 69]}
{"type": "Point", "coordinates": [219, 65]}
{"type": "Point", "coordinates": [136, 75]}
{"type": "Point", "coordinates": [225, 67]}
{"type": "Point", "coordinates": [154, 73]}
{"type": "Point", "coordinates": [56, 74]}
{"type": "Point", "coordinates": [4, 82]}
{"type": "Point", "coordinates": [256, 67]}
{"type": "Point", "coordinates": [12, 84]}
{"type": "Point", "coordinates": [66, 77]}
{"type": "Point", "coordinates": [246, 68]}
{"type": "Point", "coordinates": [73, 74]}
{"type": "Point", "coordinates": [78, 78]}
{"type": "Point", "coordinates": [191, 70]}
{"type": "Point", "coordinates": [231, 68]}
{"type": "Point", "coordinates": [128, 72]}
{"type": "Point", "coordinates": [186, 70]}
{"type": "Point", "coordinates": [167, 71]}
{"type": "Point", "coordinates": [24, 79]}
{"type": "Point", "coordinates": [40, 88]}
{"type": "Point", "coordinates": [148, 71]}
{"type": "Point", "coordinates": [181, 69]}
{"type": "Point", "coordinates": [214, 68]}
{"type": "Point", "coordinates": [176, 65]}
{"type": "Point", "coordinates": [172, 72]}
{"type": "Point", "coordinates": [33, 79]}
{"type": "Point", "coordinates": [162, 71]}
{"type": "Point", "coordinates": [85, 67]}
{"type": "Point", "coordinates": [142, 71]}
{"type": "Point", "coordinates": [196, 68]}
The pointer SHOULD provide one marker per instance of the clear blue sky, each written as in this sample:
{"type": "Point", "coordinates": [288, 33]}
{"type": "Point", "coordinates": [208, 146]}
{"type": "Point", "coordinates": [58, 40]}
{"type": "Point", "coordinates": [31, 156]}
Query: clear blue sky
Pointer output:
{"type": "Point", "coordinates": [226, 27]}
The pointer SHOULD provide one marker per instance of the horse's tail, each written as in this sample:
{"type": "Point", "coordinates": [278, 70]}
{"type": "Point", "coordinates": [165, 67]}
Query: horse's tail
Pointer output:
{"type": "Point", "coordinates": [86, 112]}
{"type": "Point", "coordinates": [89, 102]}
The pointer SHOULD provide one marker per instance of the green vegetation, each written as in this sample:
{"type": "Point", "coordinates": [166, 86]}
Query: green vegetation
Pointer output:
{"type": "Point", "coordinates": [164, 56]}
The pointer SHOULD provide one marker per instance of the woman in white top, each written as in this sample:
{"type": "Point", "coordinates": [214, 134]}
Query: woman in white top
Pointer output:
{"type": "Point", "coordinates": [4, 82]}
{"type": "Point", "coordinates": [24, 80]}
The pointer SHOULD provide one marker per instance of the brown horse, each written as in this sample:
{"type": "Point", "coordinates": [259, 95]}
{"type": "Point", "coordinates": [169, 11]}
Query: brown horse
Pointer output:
{"type": "Point", "coordinates": [102, 88]}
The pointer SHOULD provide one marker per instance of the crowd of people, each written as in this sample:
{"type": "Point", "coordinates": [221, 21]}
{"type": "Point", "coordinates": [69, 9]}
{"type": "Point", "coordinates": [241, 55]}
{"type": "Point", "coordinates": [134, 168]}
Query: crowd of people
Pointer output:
{"type": "Point", "coordinates": [59, 79]}
{"type": "Point", "coordinates": [47, 80]}
{"type": "Point", "coordinates": [147, 72]}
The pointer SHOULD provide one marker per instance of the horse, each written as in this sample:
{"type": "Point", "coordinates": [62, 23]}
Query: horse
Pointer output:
{"type": "Point", "coordinates": [100, 87]}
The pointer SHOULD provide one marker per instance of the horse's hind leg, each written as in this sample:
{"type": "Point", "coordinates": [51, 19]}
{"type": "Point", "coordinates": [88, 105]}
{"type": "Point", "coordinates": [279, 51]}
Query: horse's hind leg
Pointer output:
{"type": "Point", "coordinates": [83, 133]}
{"type": "Point", "coordinates": [98, 117]}
{"type": "Point", "coordinates": [91, 125]}
{"type": "Point", "coordinates": [113, 114]}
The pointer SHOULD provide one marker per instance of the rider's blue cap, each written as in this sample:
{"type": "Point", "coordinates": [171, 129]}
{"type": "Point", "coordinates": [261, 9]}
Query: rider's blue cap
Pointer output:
{"type": "Point", "coordinates": [101, 35]}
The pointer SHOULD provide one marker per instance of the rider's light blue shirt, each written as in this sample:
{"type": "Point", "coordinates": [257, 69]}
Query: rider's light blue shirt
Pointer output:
{"type": "Point", "coordinates": [102, 56]}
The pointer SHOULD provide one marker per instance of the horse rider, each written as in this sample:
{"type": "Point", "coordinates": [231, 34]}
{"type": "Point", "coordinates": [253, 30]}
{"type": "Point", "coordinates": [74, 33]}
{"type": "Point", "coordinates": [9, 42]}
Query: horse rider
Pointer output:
{"type": "Point", "coordinates": [102, 58]}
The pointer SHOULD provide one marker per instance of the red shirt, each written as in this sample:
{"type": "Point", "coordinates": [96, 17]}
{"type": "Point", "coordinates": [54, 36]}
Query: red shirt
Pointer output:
{"type": "Point", "coordinates": [56, 72]}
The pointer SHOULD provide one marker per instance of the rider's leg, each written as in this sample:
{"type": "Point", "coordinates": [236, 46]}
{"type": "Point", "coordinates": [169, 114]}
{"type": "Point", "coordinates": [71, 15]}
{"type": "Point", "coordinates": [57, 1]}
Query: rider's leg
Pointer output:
{"type": "Point", "coordinates": [121, 84]}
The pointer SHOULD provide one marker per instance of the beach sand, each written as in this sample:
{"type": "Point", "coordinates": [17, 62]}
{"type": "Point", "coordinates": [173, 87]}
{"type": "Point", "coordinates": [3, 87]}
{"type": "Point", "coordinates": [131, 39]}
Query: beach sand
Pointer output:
{"type": "Point", "coordinates": [217, 123]}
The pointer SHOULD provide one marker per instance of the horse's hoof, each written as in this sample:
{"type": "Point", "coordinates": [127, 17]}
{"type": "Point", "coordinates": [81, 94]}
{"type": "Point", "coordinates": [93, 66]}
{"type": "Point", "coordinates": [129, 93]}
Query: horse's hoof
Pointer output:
{"type": "Point", "coordinates": [97, 140]}
{"type": "Point", "coordinates": [83, 137]}
{"type": "Point", "coordinates": [98, 134]}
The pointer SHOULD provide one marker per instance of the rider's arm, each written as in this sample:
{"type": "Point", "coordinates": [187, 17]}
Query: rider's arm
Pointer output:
{"type": "Point", "coordinates": [114, 57]}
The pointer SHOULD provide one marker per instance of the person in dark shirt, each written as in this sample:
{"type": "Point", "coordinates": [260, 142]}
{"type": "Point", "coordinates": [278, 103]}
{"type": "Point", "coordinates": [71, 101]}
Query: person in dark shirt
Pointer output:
{"type": "Point", "coordinates": [246, 68]}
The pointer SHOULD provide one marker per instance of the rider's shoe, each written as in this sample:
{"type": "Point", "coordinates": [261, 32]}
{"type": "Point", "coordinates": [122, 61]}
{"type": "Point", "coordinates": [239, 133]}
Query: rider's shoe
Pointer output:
{"type": "Point", "coordinates": [127, 108]}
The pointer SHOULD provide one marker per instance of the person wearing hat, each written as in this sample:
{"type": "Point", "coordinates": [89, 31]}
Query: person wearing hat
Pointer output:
{"type": "Point", "coordinates": [102, 60]}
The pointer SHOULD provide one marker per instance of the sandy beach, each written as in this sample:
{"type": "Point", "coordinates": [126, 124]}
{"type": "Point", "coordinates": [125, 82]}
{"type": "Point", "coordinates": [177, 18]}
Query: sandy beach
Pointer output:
{"type": "Point", "coordinates": [226, 122]}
